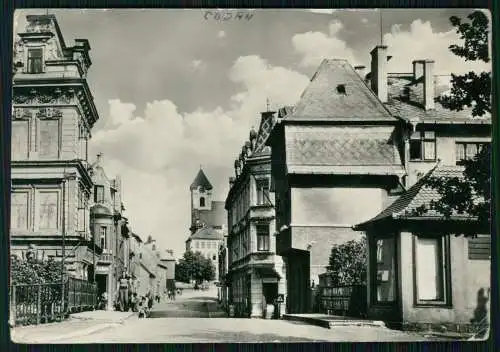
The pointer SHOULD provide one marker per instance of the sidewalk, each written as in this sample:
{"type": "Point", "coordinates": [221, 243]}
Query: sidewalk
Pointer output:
{"type": "Point", "coordinates": [329, 321]}
{"type": "Point", "coordinates": [79, 324]}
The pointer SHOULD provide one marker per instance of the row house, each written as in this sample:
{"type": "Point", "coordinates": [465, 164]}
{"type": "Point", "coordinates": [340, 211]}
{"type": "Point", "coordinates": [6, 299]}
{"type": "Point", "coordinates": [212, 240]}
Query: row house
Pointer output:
{"type": "Point", "coordinates": [350, 161]}
{"type": "Point", "coordinates": [256, 274]}
{"type": "Point", "coordinates": [161, 267]}
{"type": "Point", "coordinates": [422, 271]}
{"type": "Point", "coordinates": [109, 230]}
{"type": "Point", "coordinates": [168, 260]}
{"type": "Point", "coordinates": [53, 114]}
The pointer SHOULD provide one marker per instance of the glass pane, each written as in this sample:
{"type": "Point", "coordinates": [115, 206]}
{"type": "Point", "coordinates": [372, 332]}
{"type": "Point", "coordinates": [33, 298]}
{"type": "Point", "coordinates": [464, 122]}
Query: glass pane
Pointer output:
{"type": "Point", "coordinates": [19, 210]}
{"type": "Point", "coordinates": [415, 149]}
{"type": "Point", "coordinates": [49, 138]}
{"type": "Point", "coordinates": [459, 152]}
{"type": "Point", "coordinates": [430, 150]}
{"type": "Point", "coordinates": [34, 53]}
{"type": "Point", "coordinates": [48, 210]}
{"type": "Point", "coordinates": [429, 135]}
{"type": "Point", "coordinates": [429, 273]}
{"type": "Point", "coordinates": [471, 150]}
{"type": "Point", "coordinates": [386, 275]}
{"type": "Point", "coordinates": [20, 133]}
{"type": "Point", "coordinates": [416, 135]}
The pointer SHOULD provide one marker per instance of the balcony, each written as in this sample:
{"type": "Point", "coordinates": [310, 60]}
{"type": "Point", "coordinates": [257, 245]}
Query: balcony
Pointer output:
{"type": "Point", "coordinates": [106, 258]}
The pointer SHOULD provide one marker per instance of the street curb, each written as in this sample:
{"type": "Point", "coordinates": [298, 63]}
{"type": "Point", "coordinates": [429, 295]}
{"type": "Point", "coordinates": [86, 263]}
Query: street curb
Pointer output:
{"type": "Point", "coordinates": [79, 333]}
{"type": "Point", "coordinates": [332, 323]}
{"type": "Point", "coordinates": [104, 320]}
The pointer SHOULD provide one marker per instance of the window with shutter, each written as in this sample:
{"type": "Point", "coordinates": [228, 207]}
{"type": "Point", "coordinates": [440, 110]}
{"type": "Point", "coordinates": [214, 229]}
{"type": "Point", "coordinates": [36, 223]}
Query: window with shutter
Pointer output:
{"type": "Point", "coordinates": [19, 210]}
{"type": "Point", "coordinates": [48, 209]}
{"type": "Point", "coordinates": [48, 138]}
{"type": "Point", "coordinates": [20, 139]}
{"type": "Point", "coordinates": [479, 248]}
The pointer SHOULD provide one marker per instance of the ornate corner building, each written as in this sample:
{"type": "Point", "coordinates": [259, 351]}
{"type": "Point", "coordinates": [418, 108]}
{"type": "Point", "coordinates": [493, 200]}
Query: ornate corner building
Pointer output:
{"type": "Point", "coordinates": [52, 118]}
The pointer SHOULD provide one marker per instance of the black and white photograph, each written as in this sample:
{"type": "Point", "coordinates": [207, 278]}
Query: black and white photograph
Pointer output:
{"type": "Point", "coordinates": [250, 175]}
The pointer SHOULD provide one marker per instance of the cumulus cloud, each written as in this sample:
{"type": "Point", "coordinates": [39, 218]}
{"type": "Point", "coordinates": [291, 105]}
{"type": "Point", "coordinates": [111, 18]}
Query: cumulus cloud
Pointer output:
{"type": "Point", "coordinates": [198, 65]}
{"type": "Point", "coordinates": [316, 46]}
{"type": "Point", "coordinates": [158, 154]}
{"type": "Point", "coordinates": [421, 41]}
{"type": "Point", "coordinates": [221, 34]}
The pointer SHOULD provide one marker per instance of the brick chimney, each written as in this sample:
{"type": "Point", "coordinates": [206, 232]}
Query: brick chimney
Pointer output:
{"type": "Point", "coordinates": [379, 72]}
{"type": "Point", "coordinates": [361, 71]}
{"type": "Point", "coordinates": [424, 70]}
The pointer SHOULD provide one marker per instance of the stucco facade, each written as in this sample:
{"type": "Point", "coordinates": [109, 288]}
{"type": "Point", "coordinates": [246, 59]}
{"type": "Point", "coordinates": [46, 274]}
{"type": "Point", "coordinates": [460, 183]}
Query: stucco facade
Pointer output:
{"type": "Point", "coordinates": [53, 115]}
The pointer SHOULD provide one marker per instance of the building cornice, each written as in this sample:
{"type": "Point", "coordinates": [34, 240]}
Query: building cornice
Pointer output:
{"type": "Point", "coordinates": [57, 163]}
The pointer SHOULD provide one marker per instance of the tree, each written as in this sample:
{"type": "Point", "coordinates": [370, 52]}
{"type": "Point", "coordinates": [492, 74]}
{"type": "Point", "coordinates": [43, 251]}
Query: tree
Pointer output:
{"type": "Point", "coordinates": [471, 89]}
{"type": "Point", "coordinates": [347, 263]}
{"type": "Point", "coordinates": [469, 194]}
{"type": "Point", "coordinates": [193, 265]}
{"type": "Point", "coordinates": [34, 271]}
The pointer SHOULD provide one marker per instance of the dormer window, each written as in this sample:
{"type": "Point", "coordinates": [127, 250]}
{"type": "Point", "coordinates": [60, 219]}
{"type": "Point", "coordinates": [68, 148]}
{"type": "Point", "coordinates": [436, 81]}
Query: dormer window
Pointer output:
{"type": "Point", "coordinates": [35, 60]}
{"type": "Point", "coordinates": [341, 89]}
{"type": "Point", "coordinates": [202, 201]}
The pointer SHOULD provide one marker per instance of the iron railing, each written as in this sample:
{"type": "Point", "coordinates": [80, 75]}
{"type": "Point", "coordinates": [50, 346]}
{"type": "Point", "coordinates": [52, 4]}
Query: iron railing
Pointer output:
{"type": "Point", "coordinates": [42, 303]}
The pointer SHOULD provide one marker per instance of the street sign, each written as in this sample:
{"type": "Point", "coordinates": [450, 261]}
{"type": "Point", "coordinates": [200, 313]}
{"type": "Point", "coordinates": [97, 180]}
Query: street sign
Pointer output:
{"type": "Point", "coordinates": [280, 298]}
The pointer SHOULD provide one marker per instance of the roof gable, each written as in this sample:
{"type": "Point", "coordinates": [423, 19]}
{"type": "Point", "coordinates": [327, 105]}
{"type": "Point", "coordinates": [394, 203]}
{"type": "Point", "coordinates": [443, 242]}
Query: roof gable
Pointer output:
{"type": "Point", "coordinates": [201, 180]}
{"type": "Point", "coordinates": [207, 233]}
{"type": "Point", "coordinates": [336, 92]}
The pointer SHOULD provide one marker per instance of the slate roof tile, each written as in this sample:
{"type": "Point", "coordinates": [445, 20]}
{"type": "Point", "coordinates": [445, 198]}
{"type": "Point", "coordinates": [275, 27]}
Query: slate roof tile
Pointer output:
{"type": "Point", "coordinates": [406, 101]}
{"type": "Point", "coordinates": [421, 194]}
{"type": "Point", "coordinates": [324, 97]}
{"type": "Point", "coordinates": [201, 180]}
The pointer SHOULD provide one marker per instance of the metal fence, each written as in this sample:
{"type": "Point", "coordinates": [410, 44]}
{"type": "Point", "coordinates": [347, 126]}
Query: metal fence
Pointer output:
{"type": "Point", "coordinates": [343, 300]}
{"type": "Point", "coordinates": [42, 303]}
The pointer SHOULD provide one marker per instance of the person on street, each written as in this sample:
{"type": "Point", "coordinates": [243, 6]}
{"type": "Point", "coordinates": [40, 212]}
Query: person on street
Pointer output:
{"type": "Point", "coordinates": [123, 290]}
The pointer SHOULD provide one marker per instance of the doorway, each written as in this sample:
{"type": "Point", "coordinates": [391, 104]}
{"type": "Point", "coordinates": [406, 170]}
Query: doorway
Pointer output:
{"type": "Point", "coordinates": [101, 281]}
{"type": "Point", "coordinates": [270, 292]}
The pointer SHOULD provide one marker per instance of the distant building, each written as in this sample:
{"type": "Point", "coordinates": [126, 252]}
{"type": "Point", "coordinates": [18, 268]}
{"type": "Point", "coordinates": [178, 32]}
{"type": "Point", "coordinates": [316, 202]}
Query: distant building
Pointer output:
{"type": "Point", "coordinates": [168, 260]}
{"type": "Point", "coordinates": [256, 275]}
{"type": "Point", "coordinates": [109, 230]}
{"type": "Point", "coordinates": [208, 221]}
{"type": "Point", "coordinates": [53, 115]}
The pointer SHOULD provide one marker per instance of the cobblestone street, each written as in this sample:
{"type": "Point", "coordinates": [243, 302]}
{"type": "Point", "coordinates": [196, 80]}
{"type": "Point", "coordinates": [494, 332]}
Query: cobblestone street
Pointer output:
{"type": "Point", "coordinates": [186, 320]}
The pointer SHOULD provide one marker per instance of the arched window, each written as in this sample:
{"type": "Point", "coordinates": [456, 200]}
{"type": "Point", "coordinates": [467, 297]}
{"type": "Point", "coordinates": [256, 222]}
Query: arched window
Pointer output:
{"type": "Point", "coordinates": [202, 201]}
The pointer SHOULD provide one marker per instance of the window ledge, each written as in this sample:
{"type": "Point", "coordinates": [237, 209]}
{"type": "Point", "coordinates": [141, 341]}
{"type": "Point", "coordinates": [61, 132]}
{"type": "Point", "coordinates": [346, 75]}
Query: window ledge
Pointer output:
{"type": "Point", "coordinates": [433, 305]}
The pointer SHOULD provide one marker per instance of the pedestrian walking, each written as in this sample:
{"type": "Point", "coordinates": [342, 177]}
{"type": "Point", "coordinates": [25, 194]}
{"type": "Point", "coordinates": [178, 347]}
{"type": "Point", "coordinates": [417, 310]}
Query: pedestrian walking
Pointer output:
{"type": "Point", "coordinates": [123, 290]}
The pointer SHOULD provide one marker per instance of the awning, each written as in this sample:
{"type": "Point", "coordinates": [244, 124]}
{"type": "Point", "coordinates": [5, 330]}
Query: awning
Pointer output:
{"type": "Point", "coordinates": [268, 272]}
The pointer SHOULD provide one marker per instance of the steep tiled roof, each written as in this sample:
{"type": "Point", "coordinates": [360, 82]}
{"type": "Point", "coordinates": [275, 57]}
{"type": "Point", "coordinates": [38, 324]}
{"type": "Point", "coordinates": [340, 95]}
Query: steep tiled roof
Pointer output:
{"type": "Point", "coordinates": [201, 180]}
{"type": "Point", "coordinates": [421, 195]}
{"type": "Point", "coordinates": [214, 217]}
{"type": "Point", "coordinates": [337, 92]}
{"type": "Point", "coordinates": [266, 125]}
{"type": "Point", "coordinates": [311, 145]}
{"type": "Point", "coordinates": [406, 101]}
{"type": "Point", "coordinates": [208, 233]}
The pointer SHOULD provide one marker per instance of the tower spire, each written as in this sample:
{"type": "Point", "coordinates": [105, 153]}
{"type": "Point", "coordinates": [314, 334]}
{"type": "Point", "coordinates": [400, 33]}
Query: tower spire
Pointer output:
{"type": "Point", "coordinates": [267, 104]}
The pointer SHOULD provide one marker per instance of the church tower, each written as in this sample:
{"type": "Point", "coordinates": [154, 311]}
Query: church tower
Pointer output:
{"type": "Point", "coordinates": [201, 199]}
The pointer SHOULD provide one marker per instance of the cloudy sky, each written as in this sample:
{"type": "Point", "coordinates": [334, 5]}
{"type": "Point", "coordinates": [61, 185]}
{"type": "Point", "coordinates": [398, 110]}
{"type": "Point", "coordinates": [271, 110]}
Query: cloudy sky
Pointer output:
{"type": "Point", "coordinates": [175, 90]}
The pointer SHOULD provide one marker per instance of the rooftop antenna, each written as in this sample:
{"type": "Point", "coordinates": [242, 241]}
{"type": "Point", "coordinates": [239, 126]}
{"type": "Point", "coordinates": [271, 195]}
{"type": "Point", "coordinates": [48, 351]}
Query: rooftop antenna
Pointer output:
{"type": "Point", "coordinates": [267, 104]}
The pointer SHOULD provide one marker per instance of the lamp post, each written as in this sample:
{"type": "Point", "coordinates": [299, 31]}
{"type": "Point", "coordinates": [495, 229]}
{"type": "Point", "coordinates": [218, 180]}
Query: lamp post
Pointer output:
{"type": "Point", "coordinates": [66, 176]}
